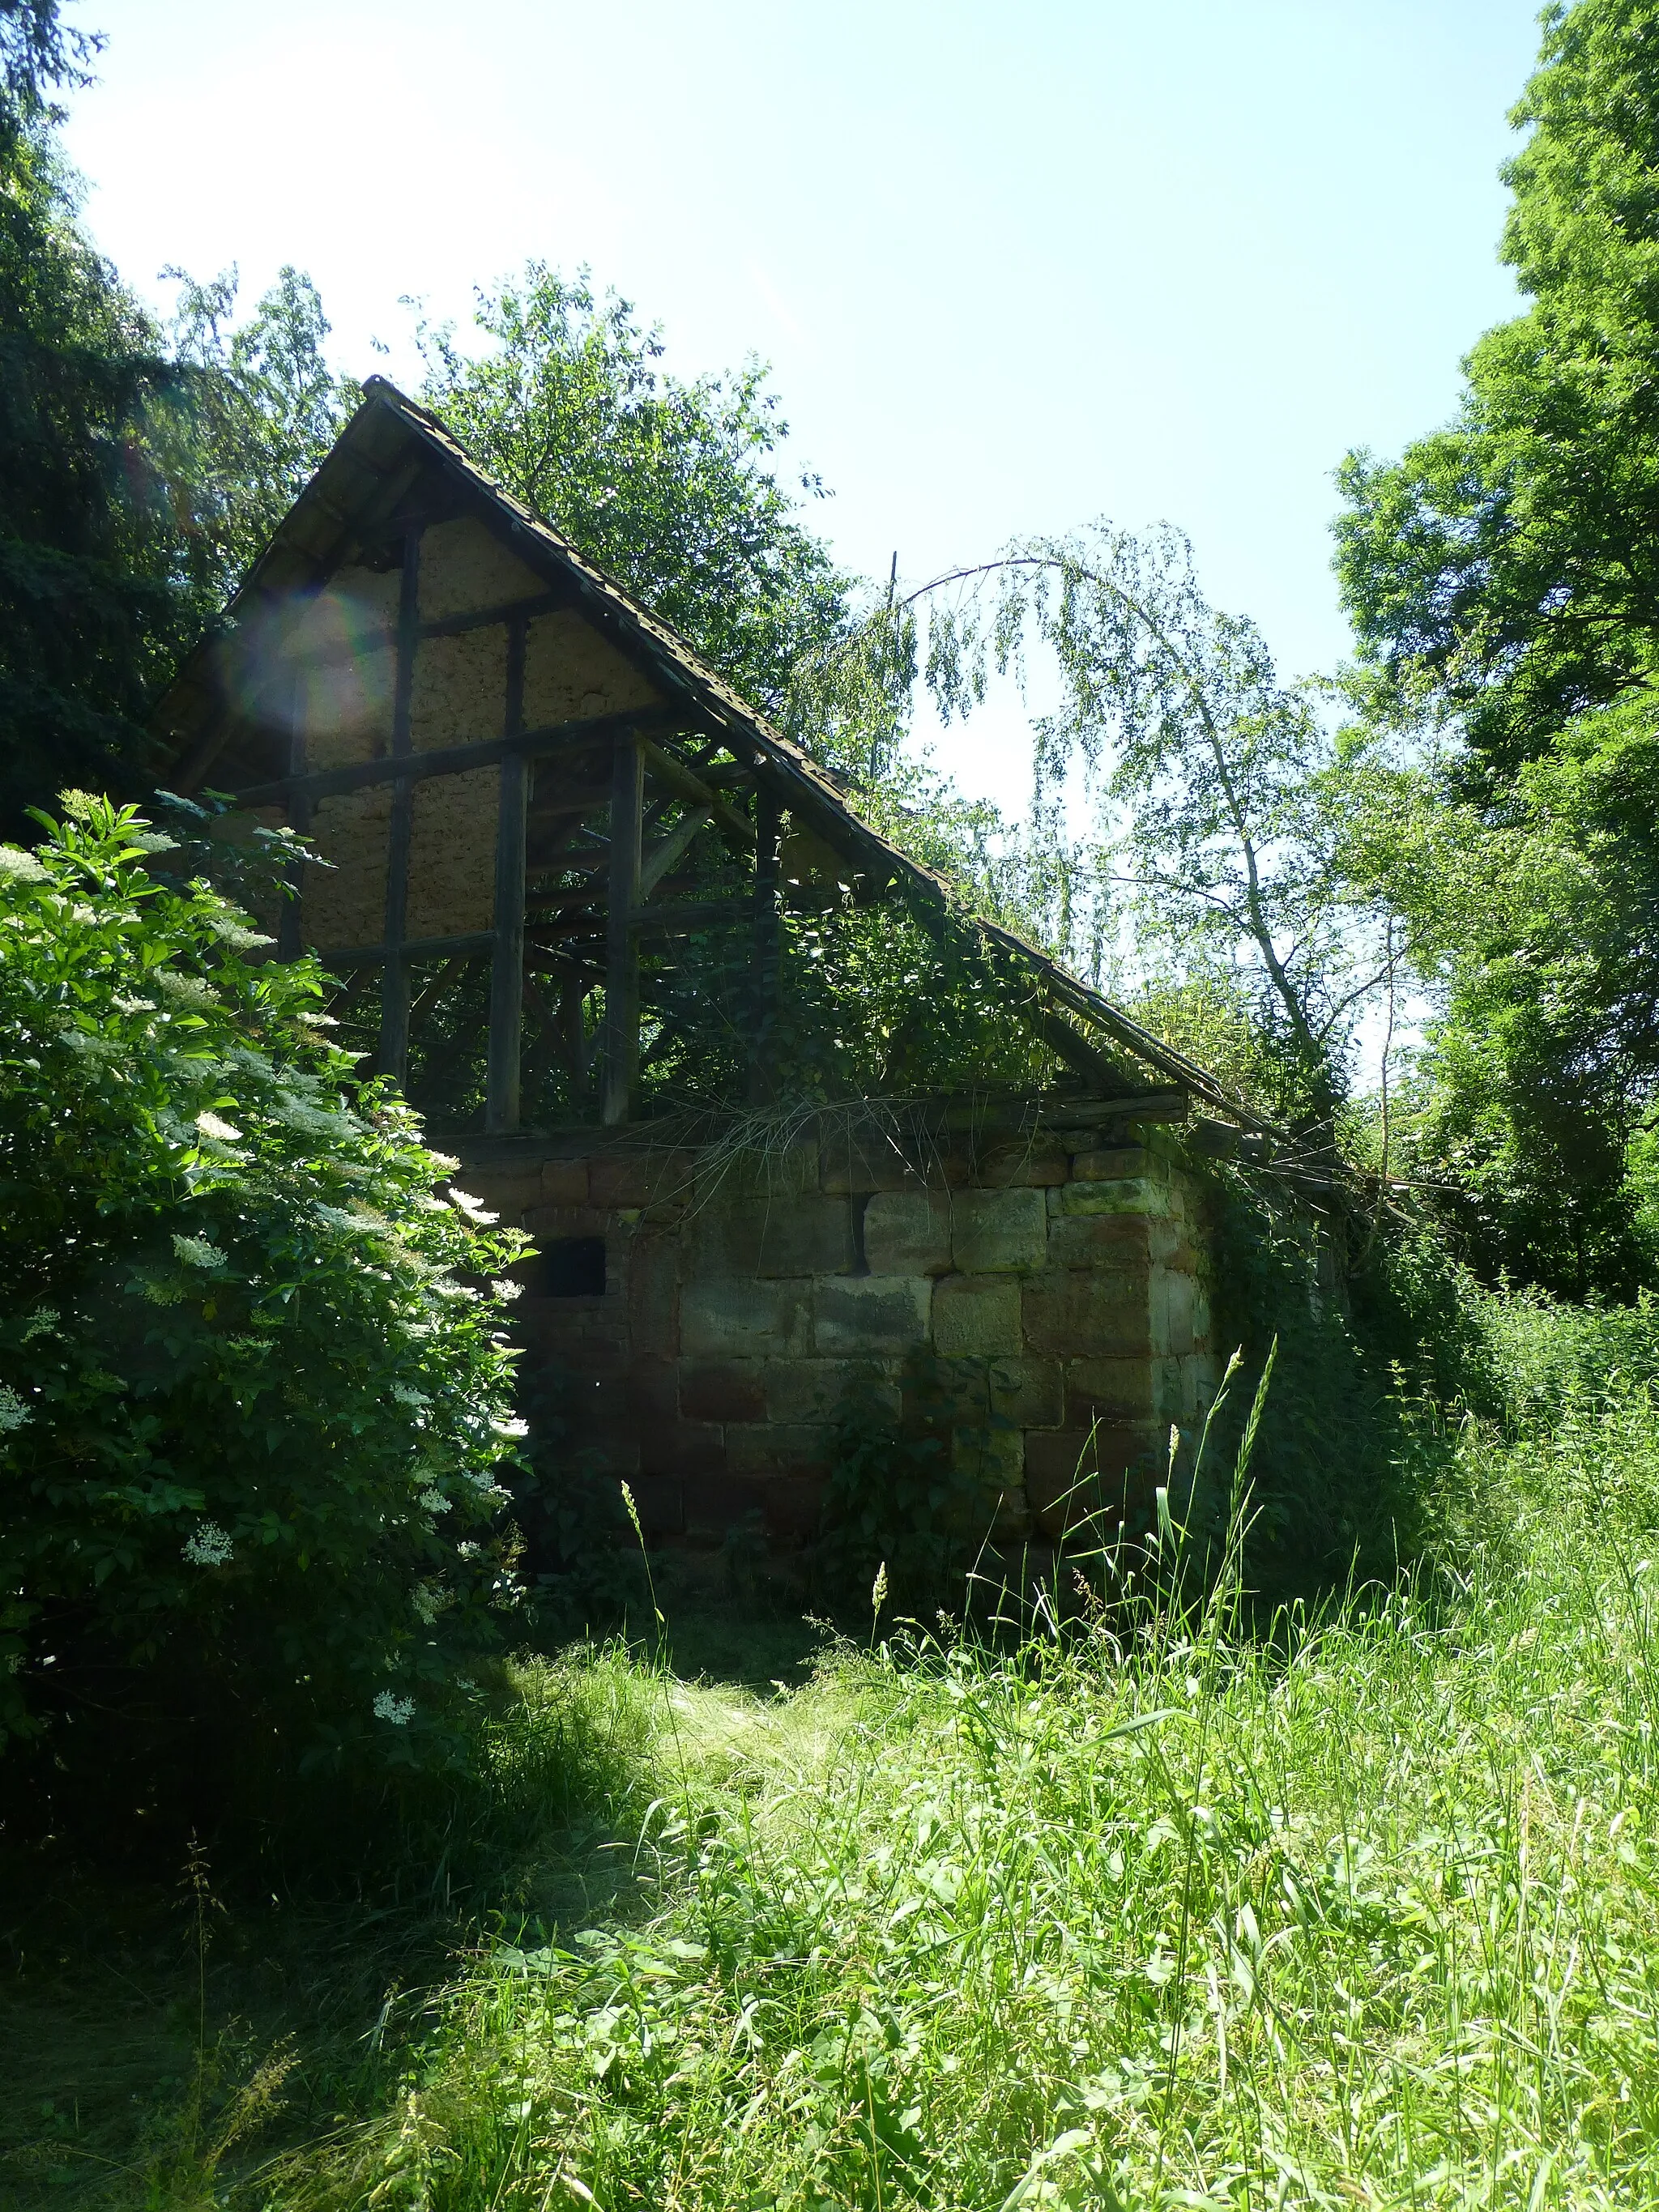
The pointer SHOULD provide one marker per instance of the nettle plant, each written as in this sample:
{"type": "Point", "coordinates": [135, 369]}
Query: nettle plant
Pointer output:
{"type": "Point", "coordinates": [255, 1385]}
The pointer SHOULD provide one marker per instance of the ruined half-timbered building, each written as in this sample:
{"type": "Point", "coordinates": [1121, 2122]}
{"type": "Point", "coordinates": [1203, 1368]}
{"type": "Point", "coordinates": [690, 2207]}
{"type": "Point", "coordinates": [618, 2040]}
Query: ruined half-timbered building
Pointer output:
{"type": "Point", "coordinates": [615, 935]}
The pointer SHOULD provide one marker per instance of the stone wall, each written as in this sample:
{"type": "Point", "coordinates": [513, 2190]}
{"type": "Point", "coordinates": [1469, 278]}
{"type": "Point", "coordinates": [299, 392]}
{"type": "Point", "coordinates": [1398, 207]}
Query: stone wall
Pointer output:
{"type": "Point", "coordinates": [1056, 1298]}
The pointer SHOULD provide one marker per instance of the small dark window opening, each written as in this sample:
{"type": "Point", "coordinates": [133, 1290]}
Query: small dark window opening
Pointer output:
{"type": "Point", "coordinates": [573, 1268]}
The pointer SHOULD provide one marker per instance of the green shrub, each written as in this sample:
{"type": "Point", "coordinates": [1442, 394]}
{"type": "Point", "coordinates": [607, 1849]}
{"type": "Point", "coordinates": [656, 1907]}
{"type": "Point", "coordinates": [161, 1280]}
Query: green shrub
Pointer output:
{"type": "Point", "coordinates": [254, 1385]}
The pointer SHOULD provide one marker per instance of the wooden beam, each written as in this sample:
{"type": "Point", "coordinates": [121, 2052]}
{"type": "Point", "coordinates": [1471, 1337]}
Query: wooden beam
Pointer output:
{"type": "Point", "coordinates": [661, 858]}
{"type": "Point", "coordinates": [767, 945]}
{"type": "Point", "coordinates": [455, 760]}
{"type": "Point", "coordinates": [413, 948]}
{"type": "Point", "coordinates": [505, 1071]}
{"type": "Point", "coordinates": [511, 611]}
{"type": "Point", "coordinates": [573, 992]}
{"type": "Point", "coordinates": [392, 1058]}
{"type": "Point", "coordinates": [681, 780]}
{"type": "Point", "coordinates": [687, 914]}
{"type": "Point", "coordinates": [622, 951]}
{"type": "Point", "coordinates": [288, 945]}
{"type": "Point", "coordinates": [1074, 1049]}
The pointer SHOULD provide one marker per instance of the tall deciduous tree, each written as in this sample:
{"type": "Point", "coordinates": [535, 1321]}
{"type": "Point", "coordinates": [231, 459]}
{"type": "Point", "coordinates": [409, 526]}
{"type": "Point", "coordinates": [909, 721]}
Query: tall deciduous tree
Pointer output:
{"type": "Point", "coordinates": [1503, 576]}
{"type": "Point", "coordinates": [670, 485]}
{"type": "Point", "coordinates": [1507, 566]}
{"type": "Point", "coordinates": [141, 469]}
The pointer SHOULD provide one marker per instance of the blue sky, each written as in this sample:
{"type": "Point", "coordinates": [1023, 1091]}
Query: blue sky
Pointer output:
{"type": "Point", "coordinates": [1015, 268]}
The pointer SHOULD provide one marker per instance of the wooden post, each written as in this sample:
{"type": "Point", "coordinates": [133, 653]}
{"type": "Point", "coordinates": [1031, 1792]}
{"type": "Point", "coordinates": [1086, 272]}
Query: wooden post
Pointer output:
{"type": "Point", "coordinates": [621, 950]}
{"type": "Point", "coordinates": [289, 941]}
{"type": "Point", "coordinates": [501, 1098]}
{"type": "Point", "coordinates": [393, 1056]}
{"type": "Point", "coordinates": [573, 1026]}
{"type": "Point", "coordinates": [767, 945]}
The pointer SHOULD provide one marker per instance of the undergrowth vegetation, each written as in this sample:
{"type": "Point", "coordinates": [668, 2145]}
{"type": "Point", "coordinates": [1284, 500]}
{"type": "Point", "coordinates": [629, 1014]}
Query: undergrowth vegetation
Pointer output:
{"type": "Point", "coordinates": [1170, 1907]}
{"type": "Point", "coordinates": [258, 1383]}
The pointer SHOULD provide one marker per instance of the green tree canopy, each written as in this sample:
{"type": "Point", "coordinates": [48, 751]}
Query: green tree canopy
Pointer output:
{"type": "Point", "coordinates": [670, 485]}
{"type": "Point", "coordinates": [144, 468]}
{"type": "Point", "coordinates": [1507, 566]}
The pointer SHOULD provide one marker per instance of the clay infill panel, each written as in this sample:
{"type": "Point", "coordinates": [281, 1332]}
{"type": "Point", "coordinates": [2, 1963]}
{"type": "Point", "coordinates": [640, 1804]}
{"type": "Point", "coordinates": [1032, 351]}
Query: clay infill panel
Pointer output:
{"type": "Point", "coordinates": [344, 903]}
{"type": "Point", "coordinates": [452, 854]}
{"type": "Point", "coordinates": [571, 673]}
{"type": "Point", "coordinates": [465, 568]}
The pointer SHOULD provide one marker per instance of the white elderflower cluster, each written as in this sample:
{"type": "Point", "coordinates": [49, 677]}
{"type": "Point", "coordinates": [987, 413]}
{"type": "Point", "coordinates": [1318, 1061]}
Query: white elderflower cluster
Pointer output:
{"type": "Point", "coordinates": [513, 1429]}
{"type": "Point", "coordinates": [124, 1003]}
{"type": "Point", "coordinates": [505, 1289]}
{"type": "Point", "coordinates": [428, 1599]}
{"type": "Point", "coordinates": [18, 866]}
{"type": "Point", "coordinates": [435, 1501]}
{"type": "Point", "coordinates": [403, 1395]}
{"type": "Point", "coordinates": [153, 841]}
{"type": "Point", "coordinates": [12, 1412]}
{"type": "Point", "coordinates": [197, 1252]}
{"type": "Point", "coordinates": [229, 931]}
{"type": "Point", "coordinates": [398, 1710]}
{"type": "Point", "coordinates": [210, 1126]}
{"type": "Point", "coordinates": [182, 990]}
{"type": "Point", "coordinates": [42, 1321]}
{"type": "Point", "coordinates": [476, 1212]}
{"type": "Point", "coordinates": [207, 1546]}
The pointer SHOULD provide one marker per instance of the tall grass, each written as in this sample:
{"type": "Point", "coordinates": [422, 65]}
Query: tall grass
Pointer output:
{"type": "Point", "coordinates": [1365, 1910]}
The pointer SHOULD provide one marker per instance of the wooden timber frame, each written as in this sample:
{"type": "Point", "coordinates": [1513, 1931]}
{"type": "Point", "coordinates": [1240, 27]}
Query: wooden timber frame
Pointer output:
{"type": "Point", "coordinates": [394, 473]}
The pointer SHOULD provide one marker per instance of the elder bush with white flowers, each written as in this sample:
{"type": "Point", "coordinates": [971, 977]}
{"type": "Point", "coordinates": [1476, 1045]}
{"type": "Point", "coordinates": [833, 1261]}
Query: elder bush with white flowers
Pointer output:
{"type": "Point", "coordinates": [254, 1380]}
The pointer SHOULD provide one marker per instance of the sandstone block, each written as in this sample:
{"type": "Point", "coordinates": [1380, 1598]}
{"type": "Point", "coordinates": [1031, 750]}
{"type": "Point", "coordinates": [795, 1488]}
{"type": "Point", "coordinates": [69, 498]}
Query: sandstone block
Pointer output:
{"type": "Point", "coordinates": [995, 1457]}
{"type": "Point", "coordinates": [1081, 1315]}
{"type": "Point", "coordinates": [564, 1182]}
{"type": "Point", "coordinates": [1029, 1393]}
{"type": "Point", "coordinates": [1113, 1162]}
{"type": "Point", "coordinates": [781, 1448]}
{"type": "Point", "coordinates": [653, 1385]}
{"type": "Point", "coordinates": [1112, 1390]}
{"type": "Point", "coordinates": [729, 1315]}
{"type": "Point", "coordinates": [722, 1390]}
{"type": "Point", "coordinates": [543, 1221]}
{"type": "Point", "coordinates": [907, 1232]}
{"type": "Point", "coordinates": [1125, 1194]}
{"type": "Point", "coordinates": [715, 1503]}
{"type": "Point", "coordinates": [620, 1179]}
{"type": "Point", "coordinates": [976, 1315]}
{"type": "Point", "coordinates": [870, 1313]}
{"type": "Point", "coordinates": [1177, 1306]}
{"type": "Point", "coordinates": [1111, 1241]}
{"type": "Point", "coordinates": [776, 1236]}
{"type": "Point", "coordinates": [682, 1447]}
{"type": "Point", "coordinates": [1083, 1478]}
{"type": "Point", "coordinates": [948, 1390]}
{"type": "Point", "coordinates": [865, 1160]}
{"type": "Point", "coordinates": [999, 1231]}
{"type": "Point", "coordinates": [1035, 1165]}
{"type": "Point", "coordinates": [819, 1389]}
{"type": "Point", "coordinates": [652, 1266]}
